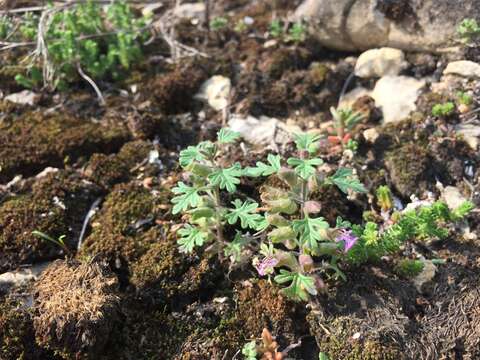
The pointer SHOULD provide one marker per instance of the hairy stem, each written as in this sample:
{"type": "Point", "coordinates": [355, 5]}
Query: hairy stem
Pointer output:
{"type": "Point", "coordinates": [220, 238]}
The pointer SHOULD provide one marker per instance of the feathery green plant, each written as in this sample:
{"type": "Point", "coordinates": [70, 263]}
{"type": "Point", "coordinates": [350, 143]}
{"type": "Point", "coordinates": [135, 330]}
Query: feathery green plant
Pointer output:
{"type": "Point", "coordinates": [99, 41]}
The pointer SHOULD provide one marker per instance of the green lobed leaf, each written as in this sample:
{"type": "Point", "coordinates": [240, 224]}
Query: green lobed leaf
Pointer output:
{"type": "Point", "coordinates": [247, 214]}
{"type": "Point", "coordinates": [305, 168]}
{"type": "Point", "coordinates": [187, 197]}
{"type": "Point", "coordinates": [226, 178]}
{"type": "Point", "coordinates": [191, 237]}
{"type": "Point", "coordinates": [189, 155]}
{"type": "Point", "coordinates": [226, 136]}
{"type": "Point", "coordinates": [307, 142]}
{"type": "Point", "coordinates": [345, 180]}
{"type": "Point", "coordinates": [300, 285]}
{"type": "Point", "coordinates": [309, 230]}
{"type": "Point", "coordinates": [263, 169]}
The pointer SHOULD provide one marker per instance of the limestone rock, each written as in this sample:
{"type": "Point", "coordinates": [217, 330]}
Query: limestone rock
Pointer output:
{"type": "Point", "coordinates": [396, 96]}
{"type": "Point", "coordinates": [215, 91]}
{"type": "Point", "coordinates": [262, 131]}
{"type": "Point", "coordinates": [365, 24]}
{"type": "Point", "coordinates": [465, 68]}
{"type": "Point", "coordinates": [380, 62]}
{"type": "Point", "coordinates": [25, 97]}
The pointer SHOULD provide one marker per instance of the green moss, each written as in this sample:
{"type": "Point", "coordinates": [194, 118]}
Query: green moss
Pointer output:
{"type": "Point", "coordinates": [108, 170]}
{"type": "Point", "coordinates": [33, 141]}
{"type": "Point", "coordinates": [285, 59]}
{"type": "Point", "coordinates": [409, 168]}
{"type": "Point", "coordinates": [409, 267]}
{"type": "Point", "coordinates": [16, 333]}
{"type": "Point", "coordinates": [114, 233]}
{"type": "Point", "coordinates": [173, 91]}
{"type": "Point", "coordinates": [161, 266]}
{"type": "Point", "coordinates": [317, 73]}
{"type": "Point", "coordinates": [56, 206]}
{"type": "Point", "coordinates": [19, 217]}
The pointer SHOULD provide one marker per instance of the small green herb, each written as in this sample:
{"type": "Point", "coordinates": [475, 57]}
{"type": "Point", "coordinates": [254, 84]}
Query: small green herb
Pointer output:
{"type": "Point", "coordinates": [276, 29]}
{"type": "Point", "coordinates": [468, 30]}
{"type": "Point", "coordinates": [218, 23]}
{"type": "Point", "coordinates": [249, 350]}
{"type": "Point", "coordinates": [464, 98]}
{"type": "Point", "coordinates": [440, 110]}
{"type": "Point", "coordinates": [297, 33]}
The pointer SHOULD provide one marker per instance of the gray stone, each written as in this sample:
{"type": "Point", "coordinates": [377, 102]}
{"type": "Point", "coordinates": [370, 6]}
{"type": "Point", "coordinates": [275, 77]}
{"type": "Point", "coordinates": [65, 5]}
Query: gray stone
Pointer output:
{"type": "Point", "coordinates": [262, 131]}
{"type": "Point", "coordinates": [365, 24]}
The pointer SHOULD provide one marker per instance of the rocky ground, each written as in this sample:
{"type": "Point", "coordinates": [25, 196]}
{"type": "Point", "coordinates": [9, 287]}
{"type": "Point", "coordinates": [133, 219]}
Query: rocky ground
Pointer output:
{"type": "Point", "coordinates": [101, 175]}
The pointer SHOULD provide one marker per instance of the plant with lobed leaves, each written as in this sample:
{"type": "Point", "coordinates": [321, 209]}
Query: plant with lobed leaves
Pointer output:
{"type": "Point", "coordinates": [293, 244]}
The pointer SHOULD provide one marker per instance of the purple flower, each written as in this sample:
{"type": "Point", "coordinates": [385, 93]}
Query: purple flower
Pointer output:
{"type": "Point", "coordinates": [266, 266]}
{"type": "Point", "coordinates": [348, 239]}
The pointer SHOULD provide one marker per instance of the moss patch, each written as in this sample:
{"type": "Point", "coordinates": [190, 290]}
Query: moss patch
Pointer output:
{"type": "Point", "coordinates": [17, 338]}
{"type": "Point", "coordinates": [173, 92]}
{"type": "Point", "coordinates": [117, 229]}
{"type": "Point", "coordinates": [33, 141]}
{"type": "Point", "coordinates": [409, 168]}
{"type": "Point", "coordinates": [108, 170]}
{"type": "Point", "coordinates": [56, 206]}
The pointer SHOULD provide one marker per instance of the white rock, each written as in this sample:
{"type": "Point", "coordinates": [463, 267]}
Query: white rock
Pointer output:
{"type": "Point", "coordinates": [215, 91]}
{"type": "Point", "coordinates": [371, 135]}
{"type": "Point", "coordinates": [465, 68]}
{"type": "Point", "coordinates": [262, 131]}
{"type": "Point", "coordinates": [25, 97]}
{"type": "Point", "coordinates": [396, 96]}
{"type": "Point", "coordinates": [22, 276]}
{"type": "Point", "coordinates": [470, 133]}
{"type": "Point", "coordinates": [190, 11]}
{"type": "Point", "coordinates": [453, 197]}
{"type": "Point", "coordinates": [380, 62]}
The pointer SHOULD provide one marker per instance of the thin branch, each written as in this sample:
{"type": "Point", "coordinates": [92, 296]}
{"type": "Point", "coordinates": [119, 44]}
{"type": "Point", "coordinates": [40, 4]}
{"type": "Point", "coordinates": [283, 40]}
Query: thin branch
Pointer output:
{"type": "Point", "coordinates": [92, 83]}
{"type": "Point", "coordinates": [89, 215]}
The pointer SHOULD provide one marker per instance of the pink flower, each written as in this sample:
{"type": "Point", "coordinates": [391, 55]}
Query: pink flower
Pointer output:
{"type": "Point", "coordinates": [266, 266]}
{"type": "Point", "coordinates": [348, 239]}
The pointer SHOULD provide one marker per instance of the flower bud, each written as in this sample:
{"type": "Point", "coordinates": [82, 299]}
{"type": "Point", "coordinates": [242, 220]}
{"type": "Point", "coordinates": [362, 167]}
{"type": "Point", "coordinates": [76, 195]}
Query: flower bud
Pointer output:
{"type": "Point", "coordinates": [281, 234]}
{"type": "Point", "coordinates": [288, 176]}
{"type": "Point", "coordinates": [312, 207]}
{"type": "Point", "coordinates": [285, 206]}
{"type": "Point", "coordinates": [306, 262]}
{"type": "Point", "coordinates": [199, 169]}
{"type": "Point", "coordinates": [276, 220]}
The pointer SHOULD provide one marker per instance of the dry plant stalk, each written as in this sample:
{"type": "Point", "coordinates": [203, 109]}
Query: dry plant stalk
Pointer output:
{"type": "Point", "coordinates": [75, 302]}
